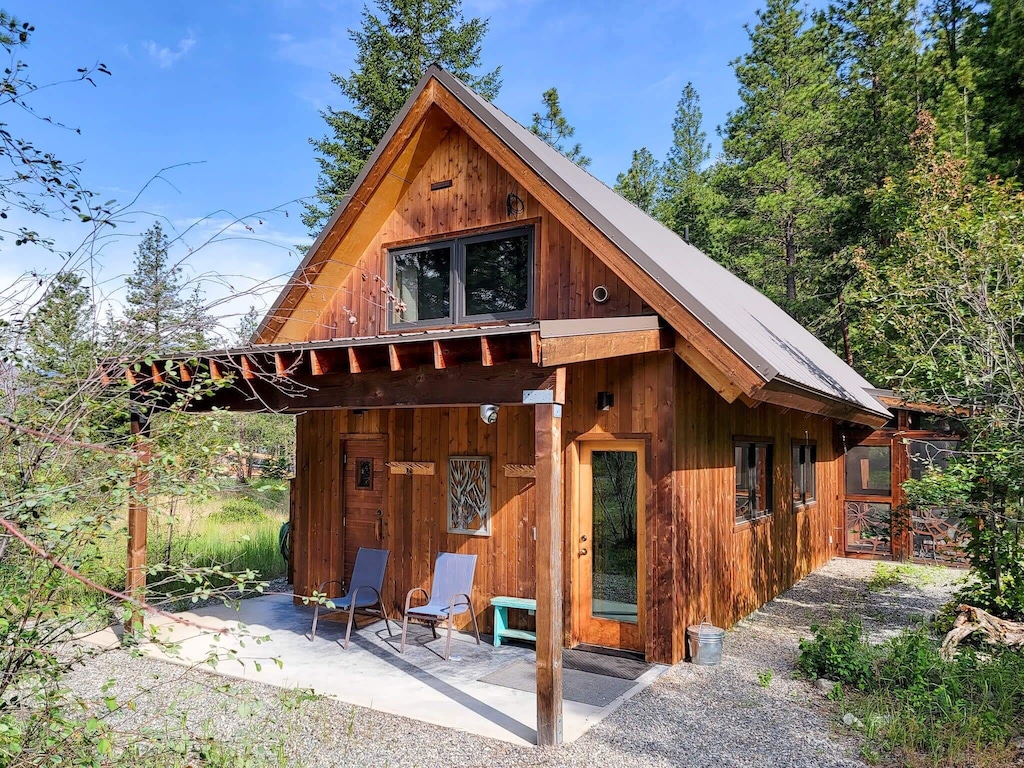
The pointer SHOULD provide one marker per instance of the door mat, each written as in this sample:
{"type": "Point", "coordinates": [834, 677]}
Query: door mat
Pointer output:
{"type": "Point", "coordinates": [622, 667]}
{"type": "Point", "coordinates": [581, 687]}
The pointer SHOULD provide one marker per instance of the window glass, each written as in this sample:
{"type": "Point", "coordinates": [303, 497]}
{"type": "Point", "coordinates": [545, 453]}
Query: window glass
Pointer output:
{"type": "Point", "coordinates": [805, 457]}
{"type": "Point", "coordinates": [422, 284]}
{"type": "Point", "coordinates": [753, 479]}
{"type": "Point", "coordinates": [497, 275]}
{"type": "Point", "coordinates": [928, 454]}
{"type": "Point", "coordinates": [869, 470]}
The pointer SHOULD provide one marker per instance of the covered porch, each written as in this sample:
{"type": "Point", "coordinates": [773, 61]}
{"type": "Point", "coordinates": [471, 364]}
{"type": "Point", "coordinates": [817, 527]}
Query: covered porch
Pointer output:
{"type": "Point", "coordinates": [382, 400]}
{"type": "Point", "coordinates": [482, 690]}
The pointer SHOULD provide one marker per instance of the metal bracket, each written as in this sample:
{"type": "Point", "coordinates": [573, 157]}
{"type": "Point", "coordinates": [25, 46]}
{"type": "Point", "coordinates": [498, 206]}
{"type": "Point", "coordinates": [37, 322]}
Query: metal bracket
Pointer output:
{"type": "Point", "coordinates": [538, 396]}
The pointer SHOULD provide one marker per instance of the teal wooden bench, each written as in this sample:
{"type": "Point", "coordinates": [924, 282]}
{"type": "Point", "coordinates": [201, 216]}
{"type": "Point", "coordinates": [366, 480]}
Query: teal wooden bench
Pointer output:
{"type": "Point", "coordinates": [501, 606]}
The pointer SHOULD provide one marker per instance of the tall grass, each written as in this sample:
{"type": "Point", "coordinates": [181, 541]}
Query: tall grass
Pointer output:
{"type": "Point", "coordinates": [197, 535]}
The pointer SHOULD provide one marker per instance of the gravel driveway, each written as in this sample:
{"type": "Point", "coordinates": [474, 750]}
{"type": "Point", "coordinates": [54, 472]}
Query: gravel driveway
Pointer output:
{"type": "Point", "coordinates": [691, 716]}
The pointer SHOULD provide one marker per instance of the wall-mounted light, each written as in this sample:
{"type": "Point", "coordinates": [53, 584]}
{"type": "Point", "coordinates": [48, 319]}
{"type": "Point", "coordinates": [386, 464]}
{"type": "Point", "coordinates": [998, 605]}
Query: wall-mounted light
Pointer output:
{"type": "Point", "coordinates": [605, 401]}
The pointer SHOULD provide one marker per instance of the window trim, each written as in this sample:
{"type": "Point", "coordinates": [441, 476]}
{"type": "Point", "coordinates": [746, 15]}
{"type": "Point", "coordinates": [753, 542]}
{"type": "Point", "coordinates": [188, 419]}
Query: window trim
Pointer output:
{"type": "Point", "coordinates": [813, 445]}
{"type": "Point", "coordinates": [769, 492]}
{"type": "Point", "coordinates": [457, 278]}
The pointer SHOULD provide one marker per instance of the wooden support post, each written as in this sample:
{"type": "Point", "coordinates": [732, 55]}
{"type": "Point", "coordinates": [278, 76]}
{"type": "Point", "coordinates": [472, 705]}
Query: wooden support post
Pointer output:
{"type": "Point", "coordinates": [138, 517]}
{"type": "Point", "coordinates": [548, 447]}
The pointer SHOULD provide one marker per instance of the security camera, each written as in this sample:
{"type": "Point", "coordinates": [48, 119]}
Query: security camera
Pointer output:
{"type": "Point", "coordinates": [489, 413]}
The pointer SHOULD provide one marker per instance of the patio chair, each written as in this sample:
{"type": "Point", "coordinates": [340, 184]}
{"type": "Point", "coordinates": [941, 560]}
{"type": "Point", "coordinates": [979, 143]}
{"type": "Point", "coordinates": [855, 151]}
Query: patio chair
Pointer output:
{"type": "Point", "coordinates": [449, 596]}
{"type": "Point", "coordinates": [363, 592]}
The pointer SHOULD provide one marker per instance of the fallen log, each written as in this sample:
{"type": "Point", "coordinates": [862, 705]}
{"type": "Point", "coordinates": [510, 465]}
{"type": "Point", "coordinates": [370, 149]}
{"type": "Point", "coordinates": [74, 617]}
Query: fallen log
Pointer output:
{"type": "Point", "coordinates": [993, 630]}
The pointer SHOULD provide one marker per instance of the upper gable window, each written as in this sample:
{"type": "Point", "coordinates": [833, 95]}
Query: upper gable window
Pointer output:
{"type": "Point", "coordinates": [465, 280]}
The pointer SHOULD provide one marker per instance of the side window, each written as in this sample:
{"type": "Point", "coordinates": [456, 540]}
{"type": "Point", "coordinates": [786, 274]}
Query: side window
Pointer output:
{"type": "Point", "coordinates": [805, 473]}
{"type": "Point", "coordinates": [753, 459]}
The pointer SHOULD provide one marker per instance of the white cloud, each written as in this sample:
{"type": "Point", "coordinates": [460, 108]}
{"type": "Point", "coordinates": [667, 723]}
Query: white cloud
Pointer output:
{"type": "Point", "coordinates": [167, 57]}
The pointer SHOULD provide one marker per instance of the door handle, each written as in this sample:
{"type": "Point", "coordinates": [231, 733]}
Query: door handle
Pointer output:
{"type": "Point", "coordinates": [379, 527]}
{"type": "Point", "coordinates": [583, 552]}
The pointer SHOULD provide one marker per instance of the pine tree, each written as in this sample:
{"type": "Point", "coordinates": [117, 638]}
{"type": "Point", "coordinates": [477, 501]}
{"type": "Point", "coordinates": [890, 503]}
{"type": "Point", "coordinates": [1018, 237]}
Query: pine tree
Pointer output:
{"type": "Point", "coordinates": [775, 158]}
{"type": "Point", "coordinates": [555, 129]}
{"type": "Point", "coordinates": [58, 337]}
{"type": "Point", "coordinates": [999, 55]}
{"type": "Point", "coordinates": [874, 49]}
{"type": "Point", "coordinates": [641, 183]}
{"type": "Point", "coordinates": [155, 309]}
{"type": "Point", "coordinates": [685, 204]}
{"type": "Point", "coordinates": [395, 44]}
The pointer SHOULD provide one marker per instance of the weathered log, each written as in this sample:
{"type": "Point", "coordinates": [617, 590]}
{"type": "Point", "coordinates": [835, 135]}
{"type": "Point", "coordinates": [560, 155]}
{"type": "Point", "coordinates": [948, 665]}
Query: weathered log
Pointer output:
{"type": "Point", "coordinates": [993, 630]}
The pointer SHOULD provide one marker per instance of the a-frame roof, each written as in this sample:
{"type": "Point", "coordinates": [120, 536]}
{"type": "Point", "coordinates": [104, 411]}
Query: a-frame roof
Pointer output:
{"type": "Point", "coordinates": [774, 346]}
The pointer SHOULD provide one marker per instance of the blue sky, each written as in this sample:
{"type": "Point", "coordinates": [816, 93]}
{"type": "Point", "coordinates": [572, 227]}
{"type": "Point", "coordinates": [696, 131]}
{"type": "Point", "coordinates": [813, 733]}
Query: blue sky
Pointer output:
{"type": "Point", "coordinates": [236, 87]}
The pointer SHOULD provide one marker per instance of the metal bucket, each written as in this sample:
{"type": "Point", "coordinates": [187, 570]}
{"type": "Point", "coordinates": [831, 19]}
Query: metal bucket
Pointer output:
{"type": "Point", "coordinates": [705, 641]}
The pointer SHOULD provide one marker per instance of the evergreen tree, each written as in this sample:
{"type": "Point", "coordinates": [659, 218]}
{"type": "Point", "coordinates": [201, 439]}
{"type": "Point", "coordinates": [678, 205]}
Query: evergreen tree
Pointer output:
{"type": "Point", "coordinates": [773, 175]}
{"type": "Point", "coordinates": [641, 183]}
{"type": "Point", "coordinates": [58, 337]}
{"type": "Point", "coordinates": [686, 202]}
{"type": "Point", "coordinates": [873, 49]}
{"type": "Point", "coordinates": [395, 44]}
{"type": "Point", "coordinates": [155, 309]}
{"type": "Point", "coordinates": [999, 55]}
{"type": "Point", "coordinates": [949, 81]}
{"type": "Point", "coordinates": [555, 129]}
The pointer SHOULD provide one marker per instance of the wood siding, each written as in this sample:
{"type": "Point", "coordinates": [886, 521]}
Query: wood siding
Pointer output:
{"type": "Point", "coordinates": [566, 272]}
{"type": "Point", "coordinates": [732, 570]}
{"type": "Point", "coordinates": [699, 563]}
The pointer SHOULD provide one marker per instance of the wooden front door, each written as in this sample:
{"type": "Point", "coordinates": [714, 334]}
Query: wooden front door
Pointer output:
{"type": "Point", "coordinates": [363, 497]}
{"type": "Point", "coordinates": [609, 583]}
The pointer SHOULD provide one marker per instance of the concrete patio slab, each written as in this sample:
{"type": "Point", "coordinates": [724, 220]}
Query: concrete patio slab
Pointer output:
{"type": "Point", "coordinates": [419, 684]}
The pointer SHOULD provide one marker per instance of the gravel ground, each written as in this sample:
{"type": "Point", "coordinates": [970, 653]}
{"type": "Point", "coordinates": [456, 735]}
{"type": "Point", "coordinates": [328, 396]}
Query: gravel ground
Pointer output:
{"type": "Point", "coordinates": [691, 716]}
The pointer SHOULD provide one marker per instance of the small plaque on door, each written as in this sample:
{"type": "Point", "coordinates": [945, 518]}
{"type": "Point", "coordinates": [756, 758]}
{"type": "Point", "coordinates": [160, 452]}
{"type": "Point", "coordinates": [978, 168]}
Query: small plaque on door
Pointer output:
{"type": "Point", "coordinates": [364, 474]}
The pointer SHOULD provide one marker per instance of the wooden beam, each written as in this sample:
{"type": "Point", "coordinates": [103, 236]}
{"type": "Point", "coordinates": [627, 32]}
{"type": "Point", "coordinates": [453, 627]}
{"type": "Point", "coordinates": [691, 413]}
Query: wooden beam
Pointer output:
{"type": "Point", "coordinates": [280, 367]}
{"type": "Point", "coordinates": [520, 470]}
{"type": "Point", "coordinates": [158, 376]}
{"type": "Point", "coordinates": [715, 377]}
{"type": "Point", "coordinates": [138, 520]}
{"type": "Point", "coordinates": [215, 372]}
{"type": "Point", "coordinates": [247, 372]}
{"type": "Point", "coordinates": [317, 363]}
{"type": "Point", "coordinates": [353, 361]}
{"type": "Point", "coordinates": [786, 395]}
{"type": "Point", "coordinates": [535, 348]}
{"type": "Point", "coordinates": [411, 467]}
{"type": "Point", "coordinates": [393, 358]}
{"type": "Point", "coordinates": [186, 374]}
{"type": "Point", "coordinates": [486, 351]}
{"type": "Point", "coordinates": [439, 361]}
{"type": "Point", "coordinates": [129, 374]}
{"type": "Point", "coordinates": [548, 448]}
{"type": "Point", "coordinates": [563, 350]}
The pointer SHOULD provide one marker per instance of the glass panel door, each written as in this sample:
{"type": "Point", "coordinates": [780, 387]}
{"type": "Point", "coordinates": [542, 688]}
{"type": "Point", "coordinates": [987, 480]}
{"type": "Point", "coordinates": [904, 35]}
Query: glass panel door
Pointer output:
{"type": "Point", "coordinates": [614, 561]}
{"type": "Point", "coordinates": [609, 583]}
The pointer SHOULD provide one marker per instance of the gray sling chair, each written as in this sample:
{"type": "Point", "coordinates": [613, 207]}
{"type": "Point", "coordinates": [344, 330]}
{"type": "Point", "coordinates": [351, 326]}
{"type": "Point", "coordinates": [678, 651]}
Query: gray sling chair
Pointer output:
{"type": "Point", "coordinates": [449, 596]}
{"type": "Point", "coordinates": [363, 592]}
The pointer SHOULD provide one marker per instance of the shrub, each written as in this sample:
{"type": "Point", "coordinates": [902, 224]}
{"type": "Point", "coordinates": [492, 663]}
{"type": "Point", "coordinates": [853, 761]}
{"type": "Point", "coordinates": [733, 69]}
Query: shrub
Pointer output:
{"type": "Point", "coordinates": [838, 652]}
{"type": "Point", "coordinates": [915, 704]}
{"type": "Point", "coordinates": [239, 511]}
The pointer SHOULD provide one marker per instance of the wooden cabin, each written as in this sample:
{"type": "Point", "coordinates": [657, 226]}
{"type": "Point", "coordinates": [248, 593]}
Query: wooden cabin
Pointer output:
{"type": "Point", "coordinates": [877, 524]}
{"type": "Point", "coordinates": [489, 351]}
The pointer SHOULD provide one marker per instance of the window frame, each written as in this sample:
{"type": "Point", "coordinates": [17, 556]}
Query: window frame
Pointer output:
{"type": "Point", "coordinates": [812, 499]}
{"type": "Point", "coordinates": [769, 479]}
{"type": "Point", "coordinates": [457, 279]}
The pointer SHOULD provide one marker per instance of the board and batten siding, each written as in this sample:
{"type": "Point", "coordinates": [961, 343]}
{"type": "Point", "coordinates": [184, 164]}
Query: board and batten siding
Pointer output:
{"type": "Point", "coordinates": [566, 272]}
{"type": "Point", "coordinates": [698, 564]}
{"type": "Point", "coordinates": [732, 570]}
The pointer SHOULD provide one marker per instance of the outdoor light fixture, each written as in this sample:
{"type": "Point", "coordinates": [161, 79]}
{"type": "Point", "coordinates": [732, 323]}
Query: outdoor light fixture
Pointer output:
{"type": "Point", "coordinates": [488, 413]}
{"type": "Point", "coordinates": [605, 401]}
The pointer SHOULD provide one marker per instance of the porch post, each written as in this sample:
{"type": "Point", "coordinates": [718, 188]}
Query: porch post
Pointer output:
{"type": "Point", "coordinates": [548, 446]}
{"type": "Point", "coordinates": [138, 516]}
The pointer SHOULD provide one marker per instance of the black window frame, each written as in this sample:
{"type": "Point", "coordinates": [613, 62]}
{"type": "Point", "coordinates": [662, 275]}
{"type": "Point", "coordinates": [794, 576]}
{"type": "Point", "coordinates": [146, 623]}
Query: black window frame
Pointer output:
{"type": "Point", "coordinates": [457, 279]}
{"type": "Point", "coordinates": [810, 448]}
{"type": "Point", "coordinates": [750, 447]}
